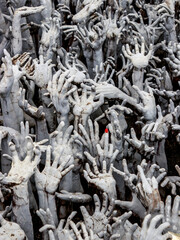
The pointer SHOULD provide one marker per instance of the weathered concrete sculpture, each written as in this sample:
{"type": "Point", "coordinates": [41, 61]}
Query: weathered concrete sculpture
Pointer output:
{"type": "Point", "coordinates": [89, 119]}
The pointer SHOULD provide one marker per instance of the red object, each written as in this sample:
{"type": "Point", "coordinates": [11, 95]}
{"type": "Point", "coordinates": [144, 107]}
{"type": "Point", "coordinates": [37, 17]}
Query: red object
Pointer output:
{"type": "Point", "coordinates": [106, 130]}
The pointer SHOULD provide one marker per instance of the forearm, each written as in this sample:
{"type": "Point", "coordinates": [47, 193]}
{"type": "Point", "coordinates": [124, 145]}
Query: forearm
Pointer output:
{"type": "Point", "coordinates": [43, 199]}
{"type": "Point", "coordinates": [4, 45]}
{"type": "Point", "coordinates": [77, 187]}
{"type": "Point", "coordinates": [5, 163]}
{"type": "Point", "coordinates": [49, 111]}
{"type": "Point", "coordinates": [9, 116]}
{"type": "Point", "coordinates": [89, 62]}
{"type": "Point", "coordinates": [52, 207]}
{"type": "Point", "coordinates": [97, 57]}
{"type": "Point", "coordinates": [160, 157]}
{"type": "Point", "coordinates": [14, 99]}
{"type": "Point", "coordinates": [67, 183]}
{"type": "Point", "coordinates": [16, 33]}
{"type": "Point", "coordinates": [65, 119]}
{"type": "Point", "coordinates": [138, 78]}
{"type": "Point", "coordinates": [20, 209]}
{"type": "Point", "coordinates": [170, 34]}
{"type": "Point", "coordinates": [121, 95]}
{"type": "Point", "coordinates": [112, 49]}
{"type": "Point", "coordinates": [41, 130]}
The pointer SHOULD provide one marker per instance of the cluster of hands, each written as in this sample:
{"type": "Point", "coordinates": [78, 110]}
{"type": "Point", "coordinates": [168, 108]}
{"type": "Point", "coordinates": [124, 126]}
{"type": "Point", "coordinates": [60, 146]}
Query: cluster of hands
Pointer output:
{"type": "Point", "coordinates": [90, 120]}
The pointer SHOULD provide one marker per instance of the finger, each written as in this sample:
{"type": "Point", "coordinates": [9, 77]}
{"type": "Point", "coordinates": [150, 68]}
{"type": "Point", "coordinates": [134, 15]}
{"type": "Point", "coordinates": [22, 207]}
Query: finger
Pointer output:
{"type": "Point", "coordinates": [177, 169]}
{"type": "Point", "coordinates": [67, 134]}
{"type": "Point", "coordinates": [142, 45]}
{"type": "Point", "coordinates": [146, 186]}
{"type": "Point", "coordinates": [110, 208]}
{"type": "Point", "coordinates": [65, 162]}
{"type": "Point", "coordinates": [46, 227]}
{"type": "Point", "coordinates": [163, 227]}
{"type": "Point", "coordinates": [27, 128]}
{"type": "Point", "coordinates": [165, 182]}
{"type": "Point", "coordinates": [161, 176]}
{"type": "Point", "coordinates": [114, 155]}
{"type": "Point", "coordinates": [51, 235]}
{"type": "Point", "coordinates": [88, 179]}
{"type": "Point", "coordinates": [97, 203]}
{"type": "Point", "coordinates": [168, 208]}
{"type": "Point", "coordinates": [63, 173]}
{"type": "Point", "coordinates": [84, 213]}
{"type": "Point", "coordinates": [175, 210]}
{"type": "Point", "coordinates": [84, 231]}
{"type": "Point", "coordinates": [48, 156]}
{"type": "Point", "coordinates": [125, 167]}
{"type": "Point", "coordinates": [90, 173]}
{"type": "Point", "coordinates": [136, 45]}
{"type": "Point", "coordinates": [119, 172]}
{"type": "Point", "coordinates": [104, 170]}
{"type": "Point", "coordinates": [37, 157]}
{"type": "Point", "coordinates": [106, 143]}
{"type": "Point", "coordinates": [77, 233]}
{"type": "Point", "coordinates": [71, 216]}
{"type": "Point", "coordinates": [104, 203]}
{"type": "Point", "coordinates": [154, 221]}
{"type": "Point", "coordinates": [145, 224]}
{"type": "Point", "coordinates": [15, 157]}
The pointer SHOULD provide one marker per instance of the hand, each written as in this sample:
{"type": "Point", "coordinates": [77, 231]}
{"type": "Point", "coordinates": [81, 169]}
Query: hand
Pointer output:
{"type": "Point", "coordinates": [101, 216]}
{"type": "Point", "coordinates": [60, 141]}
{"type": "Point", "coordinates": [21, 140]}
{"type": "Point", "coordinates": [110, 23]}
{"type": "Point", "coordinates": [141, 146]}
{"type": "Point", "coordinates": [145, 186]}
{"type": "Point", "coordinates": [135, 206]}
{"type": "Point", "coordinates": [103, 181]}
{"type": "Point", "coordinates": [47, 219]}
{"type": "Point", "coordinates": [23, 65]}
{"type": "Point", "coordinates": [90, 6]}
{"type": "Point", "coordinates": [138, 59]}
{"type": "Point", "coordinates": [27, 166]}
{"type": "Point", "coordinates": [59, 91]}
{"type": "Point", "coordinates": [148, 191]}
{"type": "Point", "coordinates": [85, 105]}
{"type": "Point", "coordinates": [87, 234]}
{"type": "Point", "coordinates": [50, 33]}
{"type": "Point", "coordinates": [11, 230]}
{"type": "Point", "coordinates": [60, 232]}
{"type": "Point", "coordinates": [106, 151]}
{"type": "Point", "coordinates": [170, 213]}
{"type": "Point", "coordinates": [49, 179]}
{"type": "Point", "coordinates": [42, 72]}
{"type": "Point", "coordinates": [32, 111]}
{"type": "Point", "coordinates": [172, 182]}
{"type": "Point", "coordinates": [148, 105]}
{"type": "Point", "coordinates": [63, 231]}
{"type": "Point", "coordinates": [155, 131]}
{"type": "Point", "coordinates": [70, 62]}
{"type": "Point", "coordinates": [8, 77]}
{"type": "Point", "coordinates": [173, 59]}
{"type": "Point", "coordinates": [93, 36]}
{"type": "Point", "coordinates": [149, 230]}
{"type": "Point", "coordinates": [107, 89]}
{"type": "Point", "coordinates": [88, 140]}
{"type": "Point", "coordinates": [118, 227]}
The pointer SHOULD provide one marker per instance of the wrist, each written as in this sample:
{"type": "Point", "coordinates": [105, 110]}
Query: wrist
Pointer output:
{"type": "Point", "coordinates": [20, 194]}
